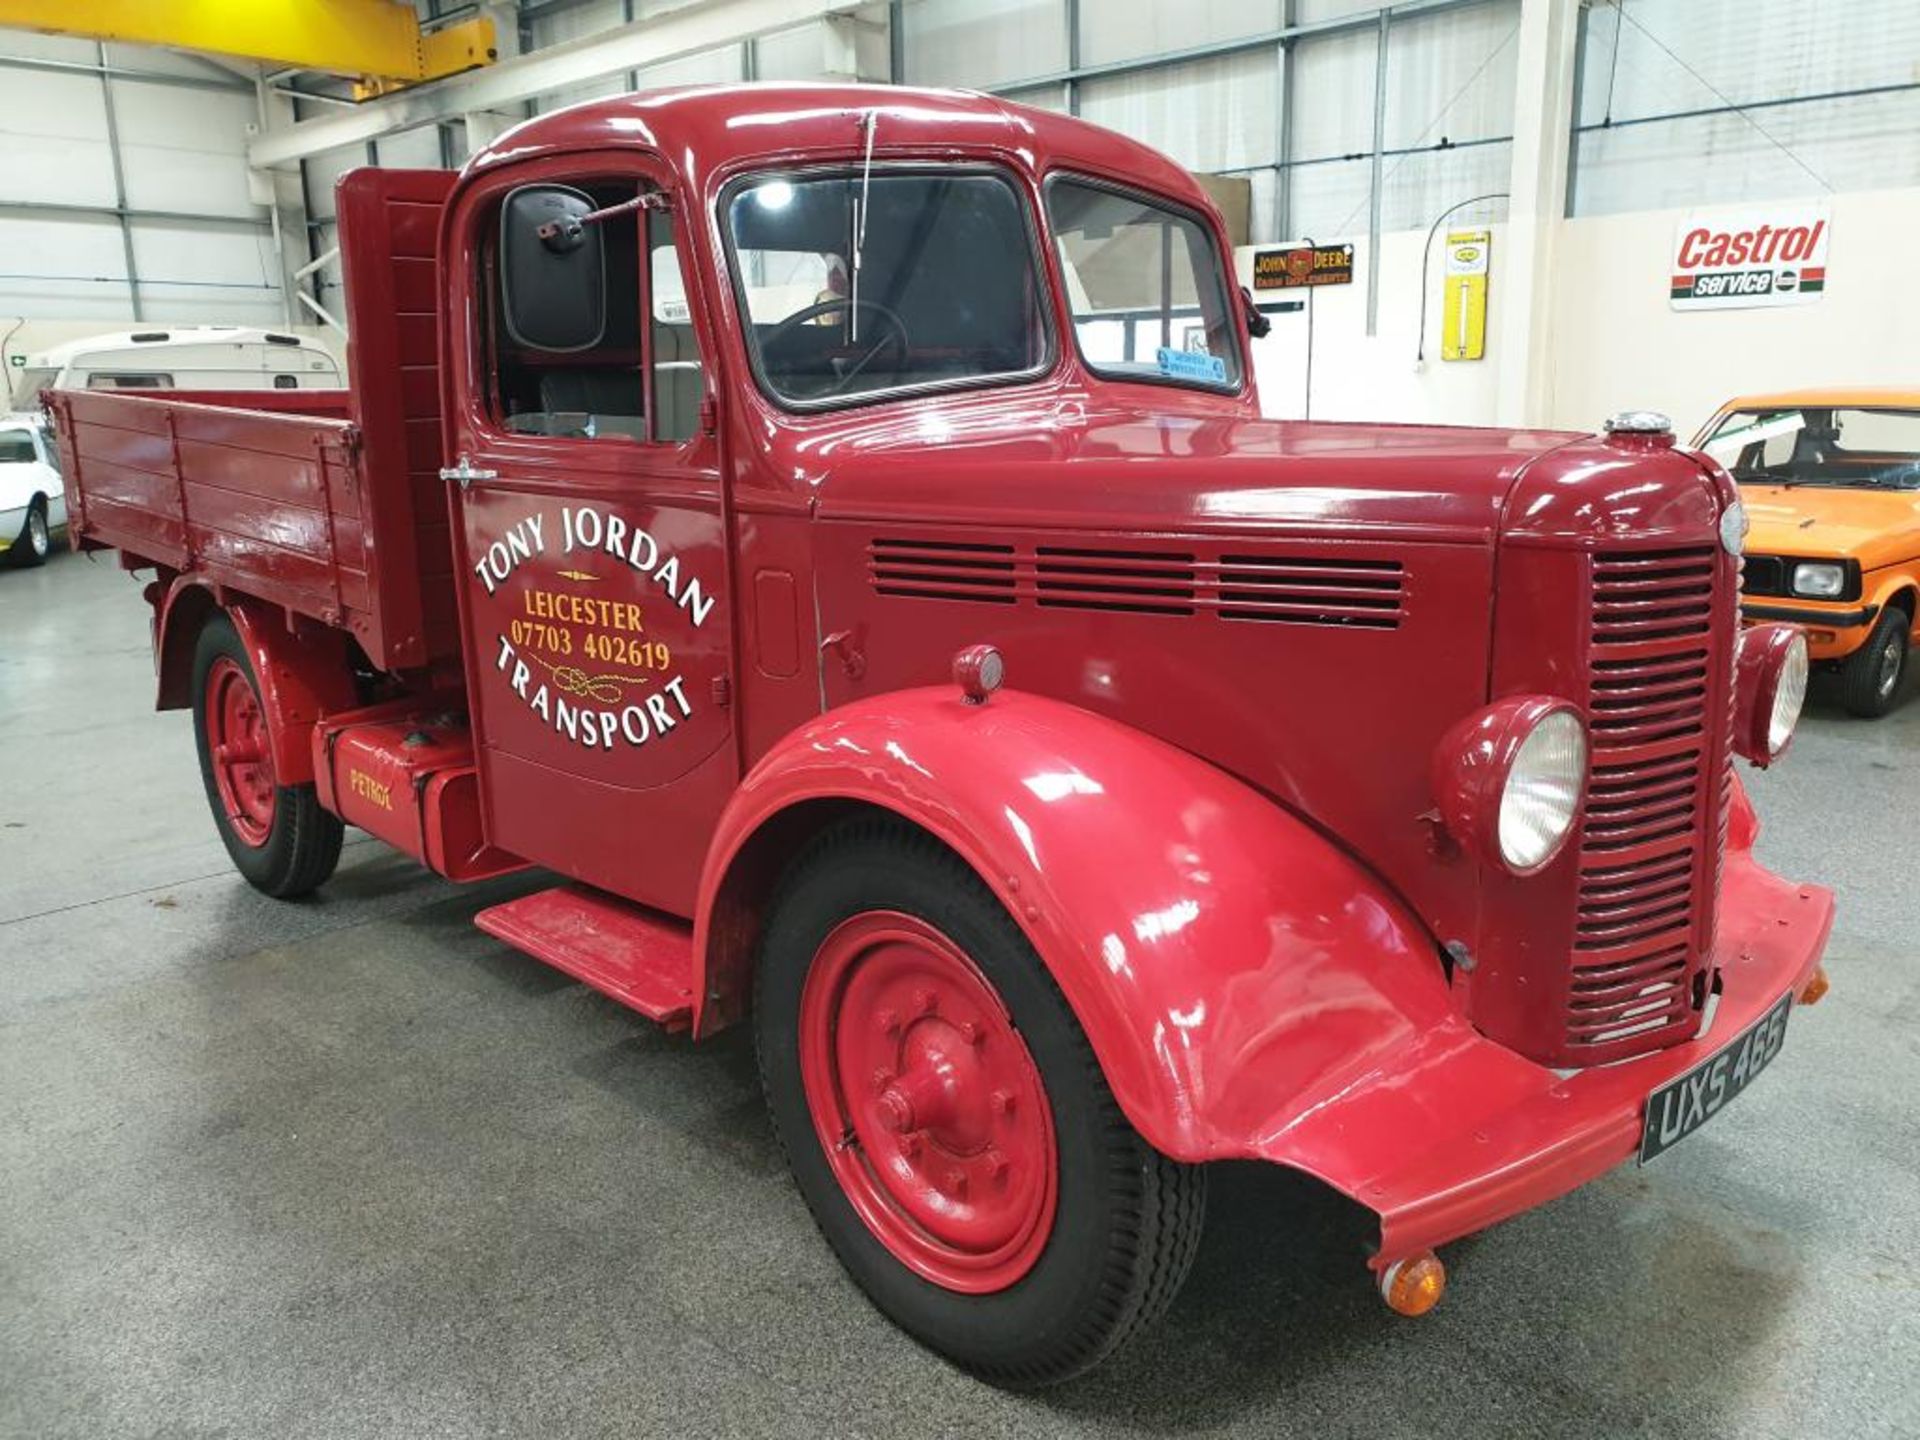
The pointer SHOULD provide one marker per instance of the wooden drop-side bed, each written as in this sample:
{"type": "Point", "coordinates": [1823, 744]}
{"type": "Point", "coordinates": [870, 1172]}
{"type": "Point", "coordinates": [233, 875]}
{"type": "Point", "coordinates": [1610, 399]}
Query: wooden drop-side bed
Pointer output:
{"type": "Point", "coordinates": [327, 503]}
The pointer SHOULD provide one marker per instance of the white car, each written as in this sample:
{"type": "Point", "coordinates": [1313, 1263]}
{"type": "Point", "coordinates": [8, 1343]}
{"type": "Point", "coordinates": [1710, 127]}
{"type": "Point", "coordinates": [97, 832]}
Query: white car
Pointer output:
{"type": "Point", "coordinates": [33, 502]}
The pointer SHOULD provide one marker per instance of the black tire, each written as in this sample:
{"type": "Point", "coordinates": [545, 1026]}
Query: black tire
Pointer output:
{"type": "Point", "coordinates": [302, 847]}
{"type": "Point", "coordinates": [1127, 1221]}
{"type": "Point", "coordinates": [1870, 677]}
{"type": "Point", "coordinates": [34, 542]}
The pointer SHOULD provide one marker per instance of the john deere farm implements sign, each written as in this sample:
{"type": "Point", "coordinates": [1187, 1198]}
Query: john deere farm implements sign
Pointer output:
{"type": "Point", "coordinates": [1294, 266]}
{"type": "Point", "coordinates": [1763, 255]}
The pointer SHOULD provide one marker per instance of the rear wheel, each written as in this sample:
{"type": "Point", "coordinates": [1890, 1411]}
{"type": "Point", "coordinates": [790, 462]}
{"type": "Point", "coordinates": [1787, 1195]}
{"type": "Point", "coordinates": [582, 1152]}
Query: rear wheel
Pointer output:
{"type": "Point", "coordinates": [947, 1122]}
{"type": "Point", "coordinates": [279, 836]}
{"type": "Point", "coordinates": [1870, 677]}
{"type": "Point", "coordinates": [35, 541]}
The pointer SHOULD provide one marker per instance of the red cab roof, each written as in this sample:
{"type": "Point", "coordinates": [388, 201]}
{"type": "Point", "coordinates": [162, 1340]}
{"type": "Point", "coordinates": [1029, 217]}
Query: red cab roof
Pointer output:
{"type": "Point", "coordinates": [709, 132]}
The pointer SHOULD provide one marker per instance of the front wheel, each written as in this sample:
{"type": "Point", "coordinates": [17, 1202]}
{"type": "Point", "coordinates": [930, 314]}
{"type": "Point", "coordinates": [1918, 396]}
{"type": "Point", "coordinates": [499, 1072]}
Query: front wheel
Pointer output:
{"type": "Point", "coordinates": [947, 1122]}
{"type": "Point", "coordinates": [1870, 677]}
{"type": "Point", "coordinates": [279, 836]}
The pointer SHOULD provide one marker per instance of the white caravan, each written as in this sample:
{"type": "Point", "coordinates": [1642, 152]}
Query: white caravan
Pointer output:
{"type": "Point", "coordinates": [179, 357]}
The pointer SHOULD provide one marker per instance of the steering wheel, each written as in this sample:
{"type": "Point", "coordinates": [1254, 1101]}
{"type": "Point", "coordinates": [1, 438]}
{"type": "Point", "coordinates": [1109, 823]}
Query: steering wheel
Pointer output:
{"type": "Point", "coordinates": [1904, 476]}
{"type": "Point", "coordinates": [895, 327]}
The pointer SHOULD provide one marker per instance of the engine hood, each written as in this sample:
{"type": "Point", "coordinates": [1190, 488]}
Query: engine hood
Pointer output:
{"type": "Point", "coordinates": [1309, 607]}
{"type": "Point", "coordinates": [1822, 520]}
{"type": "Point", "coordinates": [1070, 465]}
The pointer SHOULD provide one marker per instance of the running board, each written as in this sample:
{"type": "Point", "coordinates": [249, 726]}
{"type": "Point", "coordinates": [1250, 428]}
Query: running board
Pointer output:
{"type": "Point", "coordinates": [640, 957]}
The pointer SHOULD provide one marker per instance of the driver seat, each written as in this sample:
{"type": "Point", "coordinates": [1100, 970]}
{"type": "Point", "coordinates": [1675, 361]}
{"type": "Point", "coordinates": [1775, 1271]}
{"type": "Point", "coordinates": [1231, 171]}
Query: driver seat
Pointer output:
{"type": "Point", "coordinates": [610, 395]}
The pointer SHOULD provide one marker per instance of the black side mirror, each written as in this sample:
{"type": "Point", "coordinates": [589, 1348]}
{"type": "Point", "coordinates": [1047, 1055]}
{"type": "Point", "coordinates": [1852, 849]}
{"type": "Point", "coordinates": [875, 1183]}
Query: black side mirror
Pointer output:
{"type": "Point", "coordinates": [553, 269]}
{"type": "Point", "coordinates": [1258, 323]}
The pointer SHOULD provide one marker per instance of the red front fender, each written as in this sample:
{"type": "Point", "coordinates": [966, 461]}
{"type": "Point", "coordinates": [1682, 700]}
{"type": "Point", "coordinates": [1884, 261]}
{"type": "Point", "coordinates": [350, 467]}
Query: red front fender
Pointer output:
{"type": "Point", "coordinates": [1250, 990]}
{"type": "Point", "coordinates": [1233, 970]}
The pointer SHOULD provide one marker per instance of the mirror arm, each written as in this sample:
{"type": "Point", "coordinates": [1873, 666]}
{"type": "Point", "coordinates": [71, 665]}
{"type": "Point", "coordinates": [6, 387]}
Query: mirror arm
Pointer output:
{"type": "Point", "coordinates": [1258, 322]}
{"type": "Point", "coordinates": [567, 234]}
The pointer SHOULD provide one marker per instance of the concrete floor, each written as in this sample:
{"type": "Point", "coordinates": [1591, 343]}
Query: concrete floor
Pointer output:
{"type": "Point", "coordinates": [350, 1167]}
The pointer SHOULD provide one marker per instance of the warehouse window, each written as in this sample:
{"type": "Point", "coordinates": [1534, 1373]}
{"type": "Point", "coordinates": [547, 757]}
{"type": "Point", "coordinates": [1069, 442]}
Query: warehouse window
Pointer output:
{"type": "Point", "coordinates": [1145, 287]}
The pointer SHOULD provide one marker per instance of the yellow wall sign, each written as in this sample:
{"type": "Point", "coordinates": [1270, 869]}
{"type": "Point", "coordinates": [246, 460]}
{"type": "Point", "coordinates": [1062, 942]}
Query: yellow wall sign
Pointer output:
{"type": "Point", "coordinates": [1464, 327]}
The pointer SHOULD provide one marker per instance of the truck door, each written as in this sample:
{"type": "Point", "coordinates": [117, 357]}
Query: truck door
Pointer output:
{"type": "Point", "coordinates": [593, 571]}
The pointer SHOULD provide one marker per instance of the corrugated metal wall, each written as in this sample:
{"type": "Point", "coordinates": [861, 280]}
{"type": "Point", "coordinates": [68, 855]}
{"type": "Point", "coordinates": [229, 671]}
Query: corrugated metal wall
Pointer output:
{"type": "Point", "coordinates": [1680, 101]}
{"type": "Point", "coordinates": [1832, 90]}
{"type": "Point", "coordinates": [123, 187]}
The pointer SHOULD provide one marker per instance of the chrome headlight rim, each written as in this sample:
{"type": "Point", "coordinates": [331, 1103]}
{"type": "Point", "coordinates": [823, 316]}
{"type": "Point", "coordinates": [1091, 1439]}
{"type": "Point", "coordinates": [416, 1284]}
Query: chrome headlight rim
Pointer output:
{"type": "Point", "coordinates": [1789, 696]}
{"type": "Point", "coordinates": [1733, 528]}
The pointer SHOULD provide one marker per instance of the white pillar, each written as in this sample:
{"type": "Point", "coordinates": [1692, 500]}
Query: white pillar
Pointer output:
{"type": "Point", "coordinates": [278, 191]}
{"type": "Point", "coordinates": [1542, 133]}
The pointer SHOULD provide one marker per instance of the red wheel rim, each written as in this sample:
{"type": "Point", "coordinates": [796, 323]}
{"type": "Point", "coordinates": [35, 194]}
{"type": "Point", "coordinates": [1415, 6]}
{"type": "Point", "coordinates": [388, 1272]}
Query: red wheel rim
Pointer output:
{"type": "Point", "coordinates": [927, 1103]}
{"type": "Point", "coordinates": [237, 746]}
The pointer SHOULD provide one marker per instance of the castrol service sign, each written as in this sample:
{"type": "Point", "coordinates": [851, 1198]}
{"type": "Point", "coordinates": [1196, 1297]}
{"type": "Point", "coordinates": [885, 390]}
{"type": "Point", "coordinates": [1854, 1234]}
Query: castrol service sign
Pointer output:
{"type": "Point", "coordinates": [1767, 255]}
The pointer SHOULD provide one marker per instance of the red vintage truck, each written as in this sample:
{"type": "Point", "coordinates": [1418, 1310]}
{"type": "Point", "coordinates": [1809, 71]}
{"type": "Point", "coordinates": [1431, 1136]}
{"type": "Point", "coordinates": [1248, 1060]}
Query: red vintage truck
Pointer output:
{"type": "Point", "coordinates": [833, 530]}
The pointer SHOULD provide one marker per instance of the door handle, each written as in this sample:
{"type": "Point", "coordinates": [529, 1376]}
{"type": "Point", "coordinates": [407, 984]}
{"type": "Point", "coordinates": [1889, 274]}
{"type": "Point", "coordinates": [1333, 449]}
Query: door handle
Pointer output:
{"type": "Point", "coordinates": [465, 474]}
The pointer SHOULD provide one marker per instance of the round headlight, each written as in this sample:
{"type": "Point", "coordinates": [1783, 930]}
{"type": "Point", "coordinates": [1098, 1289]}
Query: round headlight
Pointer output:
{"type": "Point", "coordinates": [1788, 695]}
{"type": "Point", "coordinates": [1509, 780]}
{"type": "Point", "coordinates": [1542, 792]}
{"type": "Point", "coordinates": [1733, 527]}
{"type": "Point", "coordinates": [1770, 685]}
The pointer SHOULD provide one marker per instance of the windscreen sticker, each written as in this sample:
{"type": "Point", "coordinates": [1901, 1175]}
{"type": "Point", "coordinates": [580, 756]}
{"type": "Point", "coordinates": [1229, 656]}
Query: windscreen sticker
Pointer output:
{"type": "Point", "coordinates": [588, 665]}
{"type": "Point", "coordinates": [1191, 365]}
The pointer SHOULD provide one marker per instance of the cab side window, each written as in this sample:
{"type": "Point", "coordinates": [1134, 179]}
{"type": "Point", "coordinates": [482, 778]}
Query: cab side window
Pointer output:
{"type": "Point", "coordinates": [595, 391]}
{"type": "Point", "coordinates": [679, 384]}
{"type": "Point", "coordinates": [16, 448]}
{"type": "Point", "coordinates": [629, 367]}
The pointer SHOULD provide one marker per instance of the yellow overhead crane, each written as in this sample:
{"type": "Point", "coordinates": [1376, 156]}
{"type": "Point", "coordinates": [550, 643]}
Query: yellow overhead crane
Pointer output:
{"type": "Point", "coordinates": [378, 42]}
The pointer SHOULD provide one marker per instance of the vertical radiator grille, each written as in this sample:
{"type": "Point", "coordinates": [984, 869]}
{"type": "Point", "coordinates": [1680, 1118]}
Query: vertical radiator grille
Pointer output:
{"type": "Point", "coordinates": [1650, 797]}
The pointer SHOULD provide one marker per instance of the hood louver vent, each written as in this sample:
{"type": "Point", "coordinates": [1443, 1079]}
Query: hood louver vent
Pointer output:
{"type": "Point", "coordinates": [1308, 590]}
{"type": "Point", "coordinates": [1332, 590]}
{"type": "Point", "coordinates": [942, 570]}
{"type": "Point", "coordinates": [1144, 582]}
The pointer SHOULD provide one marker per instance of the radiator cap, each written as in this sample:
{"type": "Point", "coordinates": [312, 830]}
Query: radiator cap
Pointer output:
{"type": "Point", "coordinates": [1639, 422]}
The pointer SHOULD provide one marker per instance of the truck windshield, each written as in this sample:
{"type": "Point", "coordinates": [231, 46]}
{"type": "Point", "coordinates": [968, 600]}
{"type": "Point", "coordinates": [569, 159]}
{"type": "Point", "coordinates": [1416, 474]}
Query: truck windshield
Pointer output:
{"type": "Point", "coordinates": [1145, 286]}
{"type": "Point", "coordinates": [946, 291]}
{"type": "Point", "coordinates": [1841, 446]}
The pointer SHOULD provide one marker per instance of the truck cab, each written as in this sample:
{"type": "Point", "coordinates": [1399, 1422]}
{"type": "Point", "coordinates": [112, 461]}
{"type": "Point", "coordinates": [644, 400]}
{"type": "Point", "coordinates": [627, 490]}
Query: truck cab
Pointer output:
{"type": "Point", "coordinates": [834, 531]}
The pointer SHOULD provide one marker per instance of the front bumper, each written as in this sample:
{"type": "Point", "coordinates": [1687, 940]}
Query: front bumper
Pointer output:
{"type": "Point", "coordinates": [1464, 1133]}
{"type": "Point", "coordinates": [1833, 631]}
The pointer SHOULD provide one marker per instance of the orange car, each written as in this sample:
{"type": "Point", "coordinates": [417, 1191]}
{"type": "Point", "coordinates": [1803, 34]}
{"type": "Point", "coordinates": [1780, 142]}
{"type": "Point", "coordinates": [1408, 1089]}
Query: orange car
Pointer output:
{"type": "Point", "coordinates": [1831, 481]}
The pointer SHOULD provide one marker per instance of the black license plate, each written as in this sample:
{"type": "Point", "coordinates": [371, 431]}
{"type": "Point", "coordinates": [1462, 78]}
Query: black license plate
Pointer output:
{"type": "Point", "coordinates": [1686, 1102]}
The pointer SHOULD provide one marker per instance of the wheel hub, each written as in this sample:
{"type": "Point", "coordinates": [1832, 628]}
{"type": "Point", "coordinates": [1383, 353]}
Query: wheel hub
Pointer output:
{"type": "Point", "coordinates": [928, 1103]}
{"type": "Point", "coordinates": [238, 749]}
